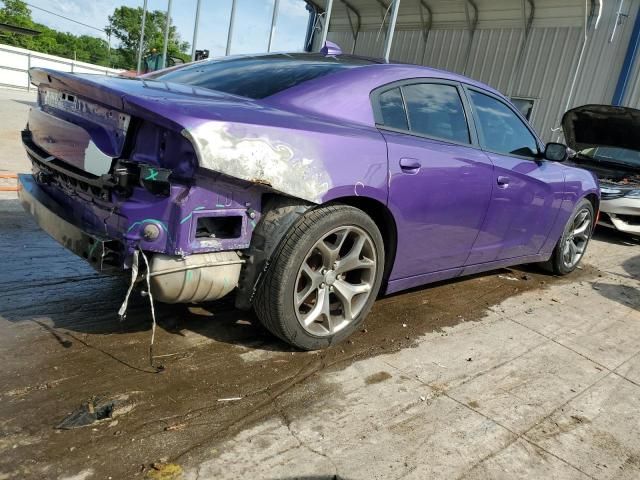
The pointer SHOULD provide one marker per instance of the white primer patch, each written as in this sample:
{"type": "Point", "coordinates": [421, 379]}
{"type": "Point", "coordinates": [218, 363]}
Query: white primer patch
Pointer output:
{"type": "Point", "coordinates": [258, 160]}
{"type": "Point", "coordinates": [95, 161]}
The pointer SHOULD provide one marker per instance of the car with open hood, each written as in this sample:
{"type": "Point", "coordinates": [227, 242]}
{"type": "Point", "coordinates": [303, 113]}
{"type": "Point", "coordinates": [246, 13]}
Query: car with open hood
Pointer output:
{"type": "Point", "coordinates": [606, 141]}
{"type": "Point", "coordinates": [307, 184]}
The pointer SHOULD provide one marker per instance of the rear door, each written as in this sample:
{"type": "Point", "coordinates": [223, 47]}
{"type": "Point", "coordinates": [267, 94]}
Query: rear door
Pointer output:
{"type": "Point", "coordinates": [527, 191]}
{"type": "Point", "coordinates": [439, 180]}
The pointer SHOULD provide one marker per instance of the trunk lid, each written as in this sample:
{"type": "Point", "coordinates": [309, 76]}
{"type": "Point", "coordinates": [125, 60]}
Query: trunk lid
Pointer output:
{"type": "Point", "coordinates": [85, 120]}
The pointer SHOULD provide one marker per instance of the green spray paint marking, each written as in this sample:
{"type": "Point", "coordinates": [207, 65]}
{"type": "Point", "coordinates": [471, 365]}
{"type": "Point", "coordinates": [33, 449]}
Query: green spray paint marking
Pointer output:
{"type": "Point", "coordinates": [153, 174]}
{"type": "Point", "coordinates": [190, 215]}
{"type": "Point", "coordinates": [188, 275]}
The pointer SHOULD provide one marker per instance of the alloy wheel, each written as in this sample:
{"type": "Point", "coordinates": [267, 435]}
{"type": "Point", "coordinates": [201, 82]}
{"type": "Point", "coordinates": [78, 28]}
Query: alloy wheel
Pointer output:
{"type": "Point", "coordinates": [335, 280]}
{"type": "Point", "coordinates": [576, 240]}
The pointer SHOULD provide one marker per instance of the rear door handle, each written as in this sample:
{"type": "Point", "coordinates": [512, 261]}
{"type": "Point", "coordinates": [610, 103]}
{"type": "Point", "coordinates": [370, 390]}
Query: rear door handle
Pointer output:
{"type": "Point", "coordinates": [503, 181]}
{"type": "Point", "coordinates": [410, 165]}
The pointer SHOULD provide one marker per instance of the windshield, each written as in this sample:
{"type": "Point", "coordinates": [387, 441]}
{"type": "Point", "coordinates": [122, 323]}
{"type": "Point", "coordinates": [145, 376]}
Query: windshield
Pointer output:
{"type": "Point", "coordinates": [617, 155]}
{"type": "Point", "coordinates": [258, 76]}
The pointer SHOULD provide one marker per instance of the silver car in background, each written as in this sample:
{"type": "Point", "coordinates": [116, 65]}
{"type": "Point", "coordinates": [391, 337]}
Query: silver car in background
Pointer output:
{"type": "Point", "coordinates": [606, 140]}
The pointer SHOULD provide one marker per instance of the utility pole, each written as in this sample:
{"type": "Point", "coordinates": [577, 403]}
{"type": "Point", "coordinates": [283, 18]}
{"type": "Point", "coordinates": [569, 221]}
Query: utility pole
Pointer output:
{"type": "Point", "coordinates": [141, 44]}
{"type": "Point", "coordinates": [232, 20]}
{"type": "Point", "coordinates": [166, 36]}
{"type": "Point", "coordinates": [274, 19]}
{"type": "Point", "coordinates": [195, 32]}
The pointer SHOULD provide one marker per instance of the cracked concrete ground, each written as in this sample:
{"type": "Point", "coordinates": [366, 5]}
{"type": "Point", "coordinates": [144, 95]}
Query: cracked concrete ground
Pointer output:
{"type": "Point", "coordinates": [545, 386]}
{"type": "Point", "coordinates": [512, 374]}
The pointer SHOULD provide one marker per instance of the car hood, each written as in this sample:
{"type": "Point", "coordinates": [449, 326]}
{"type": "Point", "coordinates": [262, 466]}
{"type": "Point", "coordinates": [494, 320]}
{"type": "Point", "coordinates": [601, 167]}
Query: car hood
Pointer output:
{"type": "Point", "coordinates": [591, 126]}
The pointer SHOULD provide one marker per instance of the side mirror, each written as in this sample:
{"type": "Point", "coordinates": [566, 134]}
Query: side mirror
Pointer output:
{"type": "Point", "coordinates": [556, 152]}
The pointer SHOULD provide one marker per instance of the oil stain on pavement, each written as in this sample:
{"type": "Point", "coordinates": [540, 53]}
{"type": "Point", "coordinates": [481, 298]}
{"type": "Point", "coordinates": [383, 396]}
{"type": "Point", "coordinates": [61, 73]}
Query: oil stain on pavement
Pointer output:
{"type": "Point", "coordinates": [62, 347]}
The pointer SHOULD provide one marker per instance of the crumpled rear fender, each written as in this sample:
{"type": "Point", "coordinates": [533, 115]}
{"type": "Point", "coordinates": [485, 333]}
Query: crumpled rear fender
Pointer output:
{"type": "Point", "coordinates": [316, 164]}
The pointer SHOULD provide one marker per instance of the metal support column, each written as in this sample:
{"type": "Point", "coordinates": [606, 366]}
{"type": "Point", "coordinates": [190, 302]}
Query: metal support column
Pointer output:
{"type": "Point", "coordinates": [166, 36]}
{"type": "Point", "coordinates": [327, 19]}
{"type": "Point", "coordinates": [392, 28]}
{"type": "Point", "coordinates": [274, 20]}
{"type": "Point", "coordinates": [355, 29]}
{"type": "Point", "coordinates": [472, 23]}
{"type": "Point", "coordinates": [629, 60]}
{"type": "Point", "coordinates": [141, 44]}
{"type": "Point", "coordinates": [232, 20]}
{"type": "Point", "coordinates": [195, 32]}
{"type": "Point", "coordinates": [426, 26]}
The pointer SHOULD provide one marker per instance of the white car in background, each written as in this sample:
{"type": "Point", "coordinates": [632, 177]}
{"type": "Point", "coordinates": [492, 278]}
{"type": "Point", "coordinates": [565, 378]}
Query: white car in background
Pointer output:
{"type": "Point", "coordinates": [606, 140]}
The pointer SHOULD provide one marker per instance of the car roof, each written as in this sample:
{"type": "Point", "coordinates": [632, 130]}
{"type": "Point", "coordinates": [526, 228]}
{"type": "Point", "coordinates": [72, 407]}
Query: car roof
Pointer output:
{"type": "Point", "coordinates": [345, 94]}
{"type": "Point", "coordinates": [333, 85]}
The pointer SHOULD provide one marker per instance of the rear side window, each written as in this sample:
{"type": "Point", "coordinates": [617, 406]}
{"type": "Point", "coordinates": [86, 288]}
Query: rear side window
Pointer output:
{"type": "Point", "coordinates": [501, 130]}
{"type": "Point", "coordinates": [260, 76]}
{"type": "Point", "coordinates": [436, 110]}
{"type": "Point", "coordinates": [392, 109]}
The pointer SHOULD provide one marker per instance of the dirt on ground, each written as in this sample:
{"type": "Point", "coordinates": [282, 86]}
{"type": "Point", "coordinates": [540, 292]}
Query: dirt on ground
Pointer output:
{"type": "Point", "coordinates": [215, 369]}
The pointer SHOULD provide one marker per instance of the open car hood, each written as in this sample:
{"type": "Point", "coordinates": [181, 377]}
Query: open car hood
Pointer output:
{"type": "Point", "coordinates": [591, 126]}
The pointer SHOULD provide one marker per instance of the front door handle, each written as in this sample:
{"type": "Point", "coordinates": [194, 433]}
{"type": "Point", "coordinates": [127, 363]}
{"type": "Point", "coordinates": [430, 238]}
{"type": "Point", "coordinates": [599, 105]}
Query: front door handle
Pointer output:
{"type": "Point", "coordinates": [503, 181]}
{"type": "Point", "coordinates": [410, 165]}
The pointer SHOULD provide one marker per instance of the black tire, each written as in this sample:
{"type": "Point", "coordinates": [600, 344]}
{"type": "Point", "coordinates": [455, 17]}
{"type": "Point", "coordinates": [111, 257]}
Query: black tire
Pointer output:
{"type": "Point", "coordinates": [274, 303]}
{"type": "Point", "coordinates": [557, 264]}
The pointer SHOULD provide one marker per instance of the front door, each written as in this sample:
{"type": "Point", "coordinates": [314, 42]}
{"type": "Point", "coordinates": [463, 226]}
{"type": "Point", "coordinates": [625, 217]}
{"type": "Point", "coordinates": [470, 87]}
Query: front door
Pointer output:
{"type": "Point", "coordinates": [527, 191]}
{"type": "Point", "coordinates": [440, 182]}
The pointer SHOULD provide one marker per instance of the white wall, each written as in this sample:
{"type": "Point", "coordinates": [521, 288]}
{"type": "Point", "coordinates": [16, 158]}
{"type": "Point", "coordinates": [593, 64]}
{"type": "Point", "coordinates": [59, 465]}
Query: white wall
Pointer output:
{"type": "Point", "coordinates": [15, 63]}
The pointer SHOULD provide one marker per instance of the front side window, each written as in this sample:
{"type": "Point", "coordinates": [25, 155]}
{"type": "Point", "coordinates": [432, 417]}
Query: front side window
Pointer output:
{"type": "Point", "coordinates": [501, 129]}
{"type": "Point", "coordinates": [436, 110]}
{"type": "Point", "coordinates": [392, 109]}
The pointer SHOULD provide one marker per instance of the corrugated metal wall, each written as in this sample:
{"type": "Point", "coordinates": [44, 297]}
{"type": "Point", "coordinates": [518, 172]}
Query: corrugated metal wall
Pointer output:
{"type": "Point", "coordinates": [632, 97]}
{"type": "Point", "coordinates": [549, 60]}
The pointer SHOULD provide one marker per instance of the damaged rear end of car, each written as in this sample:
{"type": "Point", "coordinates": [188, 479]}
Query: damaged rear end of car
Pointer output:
{"type": "Point", "coordinates": [119, 167]}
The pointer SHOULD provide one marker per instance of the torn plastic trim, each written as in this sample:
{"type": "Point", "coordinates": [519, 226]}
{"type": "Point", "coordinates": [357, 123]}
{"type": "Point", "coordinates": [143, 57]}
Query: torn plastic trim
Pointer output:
{"type": "Point", "coordinates": [259, 160]}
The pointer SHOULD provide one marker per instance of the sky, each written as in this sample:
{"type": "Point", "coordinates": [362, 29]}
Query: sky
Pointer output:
{"type": "Point", "coordinates": [251, 30]}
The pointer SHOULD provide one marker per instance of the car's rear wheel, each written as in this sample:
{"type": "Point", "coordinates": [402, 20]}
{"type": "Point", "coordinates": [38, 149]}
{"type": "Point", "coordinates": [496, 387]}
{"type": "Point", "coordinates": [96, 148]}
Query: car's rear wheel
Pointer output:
{"type": "Point", "coordinates": [323, 279]}
{"type": "Point", "coordinates": [572, 246]}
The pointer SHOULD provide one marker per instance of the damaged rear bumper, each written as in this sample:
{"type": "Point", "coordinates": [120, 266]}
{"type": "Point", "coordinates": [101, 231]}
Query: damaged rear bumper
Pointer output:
{"type": "Point", "coordinates": [104, 254]}
{"type": "Point", "coordinates": [195, 278]}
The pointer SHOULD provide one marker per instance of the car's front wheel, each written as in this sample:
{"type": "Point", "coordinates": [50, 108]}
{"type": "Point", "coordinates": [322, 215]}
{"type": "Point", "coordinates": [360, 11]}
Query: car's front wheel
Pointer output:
{"type": "Point", "coordinates": [323, 279]}
{"type": "Point", "coordinates": [572, 245]}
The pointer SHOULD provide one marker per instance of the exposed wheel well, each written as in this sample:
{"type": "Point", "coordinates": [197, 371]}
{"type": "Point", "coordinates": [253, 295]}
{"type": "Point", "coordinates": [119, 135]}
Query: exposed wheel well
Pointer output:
{"type": "Point", "coordinates": [595, 202]}
{"type": "Point", "coordinates": [380, 214]}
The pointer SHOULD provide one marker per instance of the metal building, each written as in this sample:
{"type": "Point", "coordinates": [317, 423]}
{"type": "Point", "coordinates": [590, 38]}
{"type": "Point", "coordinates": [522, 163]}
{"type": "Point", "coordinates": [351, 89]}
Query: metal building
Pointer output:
{"type": "Point", "coordinates": [547, 55]}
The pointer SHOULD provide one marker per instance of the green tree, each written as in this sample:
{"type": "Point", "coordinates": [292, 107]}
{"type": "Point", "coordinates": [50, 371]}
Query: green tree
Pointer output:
{"type": "Point", "coordinates": [83, 48]}
{"type": "Point", "coordinates": [16, 13]}
{"type": "Point", "coordinates": [125, 24]}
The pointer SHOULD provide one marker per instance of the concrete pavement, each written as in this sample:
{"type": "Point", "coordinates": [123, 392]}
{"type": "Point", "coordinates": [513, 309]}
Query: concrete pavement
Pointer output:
{"type": "Point", "coordinates": [511, 374]}
{"type": "Point", "coordinates": [547, 385]}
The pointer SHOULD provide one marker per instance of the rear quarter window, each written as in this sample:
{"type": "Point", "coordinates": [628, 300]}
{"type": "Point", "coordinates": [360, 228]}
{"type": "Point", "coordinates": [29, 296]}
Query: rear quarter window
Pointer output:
{"type": "Point", "coordinates": [392, 109]}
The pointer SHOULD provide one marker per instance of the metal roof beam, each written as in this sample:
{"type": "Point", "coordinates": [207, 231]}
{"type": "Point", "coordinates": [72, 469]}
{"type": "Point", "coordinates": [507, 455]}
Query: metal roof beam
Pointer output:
{"type": "Point", "coordinates": [390, 31]}
{"type": "Point", "coordinates": [472, 23]}
{"type": "Point", "coordinates": [327, 19]}
{"type": "Point", "coordinates": [426, 26]}
{"type": "Point", "coordinates": [274, 19]}
{"type": "Point", "coordinates": [527, 23]}
{"type": "Point", "coordinates": [354, 31]}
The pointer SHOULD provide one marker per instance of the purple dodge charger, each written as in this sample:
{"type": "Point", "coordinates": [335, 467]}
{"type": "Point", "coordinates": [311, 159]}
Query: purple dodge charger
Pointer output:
{"type": "Point", "coordinates": [307, 183]}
